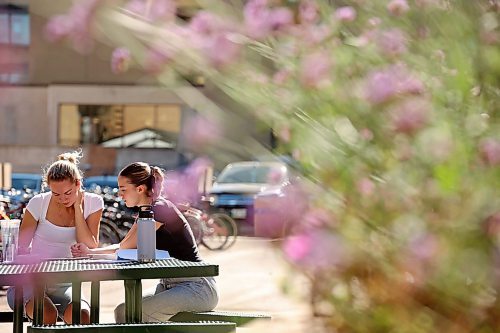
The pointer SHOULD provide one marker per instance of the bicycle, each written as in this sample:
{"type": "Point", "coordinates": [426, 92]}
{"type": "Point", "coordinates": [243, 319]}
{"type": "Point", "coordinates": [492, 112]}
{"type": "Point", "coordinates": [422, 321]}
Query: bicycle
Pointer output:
{"type": "Point", "coordinates": [216, 231]}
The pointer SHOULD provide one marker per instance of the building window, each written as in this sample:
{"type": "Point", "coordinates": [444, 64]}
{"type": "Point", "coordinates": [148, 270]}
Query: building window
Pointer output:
{"type": "Point", "coordinates": [120, 126]}
{"type": "Point", "coordinates": [14, 25]}
{"type": "Point", "coordinates": [14, 43]}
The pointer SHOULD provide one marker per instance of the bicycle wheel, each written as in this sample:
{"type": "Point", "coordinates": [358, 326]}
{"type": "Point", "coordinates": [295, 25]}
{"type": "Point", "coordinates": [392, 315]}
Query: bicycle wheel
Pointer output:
{"type": "Point", "coordinates": [196, 228]}
{"type": "Point", "coordinates": [231, 227]}
{"type": "Point", "coordinates": [108, 234]}
{"type": "Point", "coordinates": [220, 232]}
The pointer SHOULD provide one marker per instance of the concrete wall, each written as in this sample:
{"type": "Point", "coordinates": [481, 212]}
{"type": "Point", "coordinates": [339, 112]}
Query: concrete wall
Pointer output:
{"type": "Point", "coordinates": [60, 63]}
{"type": "Point", "coordinates": [23, 116]}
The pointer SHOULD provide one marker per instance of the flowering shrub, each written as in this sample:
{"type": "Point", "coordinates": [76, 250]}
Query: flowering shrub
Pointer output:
{"type": "Point", "coordinates": [391, 107]}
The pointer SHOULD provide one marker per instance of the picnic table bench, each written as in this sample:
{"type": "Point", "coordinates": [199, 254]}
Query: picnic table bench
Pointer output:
{"type": "Point", "coordinates": [77, 271]}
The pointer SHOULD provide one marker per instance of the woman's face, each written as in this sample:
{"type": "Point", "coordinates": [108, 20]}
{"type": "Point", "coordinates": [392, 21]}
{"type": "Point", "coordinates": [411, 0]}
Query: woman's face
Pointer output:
{"type": "Point", "coordinates": [129, 193]}
{"type": "Point", "coordinates": [65, 191]}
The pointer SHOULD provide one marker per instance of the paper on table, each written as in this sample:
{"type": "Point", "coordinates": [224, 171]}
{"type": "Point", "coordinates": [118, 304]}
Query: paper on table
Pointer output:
{"type": "Point", "coordinates": [132, 254]}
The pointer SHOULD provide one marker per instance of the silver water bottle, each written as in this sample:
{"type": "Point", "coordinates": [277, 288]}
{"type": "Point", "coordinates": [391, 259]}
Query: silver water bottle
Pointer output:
{"type": "Point", "coordinates": [146, 235]}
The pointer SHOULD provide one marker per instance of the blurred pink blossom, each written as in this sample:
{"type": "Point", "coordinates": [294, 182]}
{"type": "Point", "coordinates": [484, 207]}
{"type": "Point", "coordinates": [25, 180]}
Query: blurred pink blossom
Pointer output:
{"type": "Point", "coordinates": [280, 18]}
{"type": "Point", "coordinates": [76, 25]}
{"type": "Point", "coordinates": [201, 131]}
{"type": "Point", "coordinates": [184, 186]}
{"type": "Point", "coordinates": [410, 115]}
{"type": "Point", "coordinates": [316, 249]}
{"type": "Point", "coordinates": [423, 247]}
{"type": "Point", "coordinates": [257, 19]}
{"type": "Point", "coordinates": [58, 27]}
{"type": "Point", "coordinates": [366, 134]}
{"type": "Point", "coordinates": [285, 134]}
{"type": "Point", "coordinates": [153, 10]}
{"type": "Point", "coordinates": [308, 11]}
{"type": "Point", "coordinates": [382, 85]}
{"type": "Point", "coordinates": [345, 14]}
{"type": "Point", "coordinates": [315, 70]}
{"type": "Point", "coordinates": [120, 60]}
{"type": "Point", "coordinates": [280, 211]}
{"type": "Point", "coordinates": [157, 58]}
{"type": "Point", "coordinates": [281, 76]}
{"type": "Point", "coordinates": [375, 21]}
{"type": "Point", "coordinates": [205, 24]}
{"type": "Point", "coordinates": [492, 225]}
{"type": "Point", "coordinates": [489, 150]}
{"type": "Point", "coordinates": [318, 218]}
{"type": "Point", "coordinates": [223, 50]}
{"type": "Point", "coordinates": [311, 34]}
{"type": "Point", "coordinates": [365, 186]}
{"type": "Point", "coordinates": [392, 42]}
{"type": "Point", "coordinates": [398, 7]}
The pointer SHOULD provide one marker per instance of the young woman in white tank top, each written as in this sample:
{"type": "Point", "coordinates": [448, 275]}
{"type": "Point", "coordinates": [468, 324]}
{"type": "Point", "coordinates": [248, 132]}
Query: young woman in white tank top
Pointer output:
{"type": "Point", "coordinates": [52, 223]}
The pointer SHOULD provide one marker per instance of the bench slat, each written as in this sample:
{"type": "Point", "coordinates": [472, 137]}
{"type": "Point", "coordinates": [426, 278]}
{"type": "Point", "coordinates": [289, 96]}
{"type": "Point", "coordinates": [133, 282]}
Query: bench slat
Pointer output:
{"type": "Point", "coordinates": [239, 318]}
{"type": "Point", "coordinates": [164, 327]}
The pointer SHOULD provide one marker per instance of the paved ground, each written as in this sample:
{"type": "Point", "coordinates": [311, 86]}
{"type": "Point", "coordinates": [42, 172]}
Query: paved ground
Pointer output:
{"type": "Point", "coordinates": [252, 277]}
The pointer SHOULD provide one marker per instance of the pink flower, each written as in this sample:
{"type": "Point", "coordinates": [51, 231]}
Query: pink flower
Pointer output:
{"type": "Point", "coordinates": [58, 27]}
{"type": "Point", "coordinates": [308, 12]}
{"type": "Point", "coordinates": [489, 150]}
{"type": "Point", "coordinates": [410, 115]}
{"type": "Point", "coordinates": [157, 58]}
{"type": "Point", "coordinates": [392, 42]}
{"type": "Point", "coordinates": [315, 70]}
{"type": "Point", "coordinates": [383, 85]}
{"type": "Point", "coordinates": [257, 19]}
{"type": "Point", "coordinates": [153, 10]}
{"type": "Point", "coordinates": [201, 131]}
{"type": "Point", "coordinates": [281, 76]}
{"type": "Point", "coordinates": [316, 249]}
{"type": "Point", "coordinates": [280, 210]}
{"type": "Point", "coordinates": [285, 134]}
{"type": "Point", "coordinates": [120, 60]}
{"type": "Point", "coordinates": [183, 186]}
{"type": "Point", "coordinates": [398, 7]}
{"type": "Point", "coordinates": [280, 19]}
{"type": "Point", "coordinates": [365, 186]}
{"type": "Point", "coordinates": [223, 50]}
{"type": "Point", "coordinates": [345, 14]}
{"type": "Point", "coordinates": [318, 218]}
{"type": "Point", "coordinates": [205, 24]}
{"type": "Point", "coordinates": [76, 25]}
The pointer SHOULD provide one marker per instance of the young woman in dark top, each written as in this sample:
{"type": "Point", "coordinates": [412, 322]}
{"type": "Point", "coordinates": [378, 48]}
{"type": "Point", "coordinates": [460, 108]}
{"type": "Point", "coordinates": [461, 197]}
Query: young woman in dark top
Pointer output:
{"type": "Point", "coordinates": [141, 184]}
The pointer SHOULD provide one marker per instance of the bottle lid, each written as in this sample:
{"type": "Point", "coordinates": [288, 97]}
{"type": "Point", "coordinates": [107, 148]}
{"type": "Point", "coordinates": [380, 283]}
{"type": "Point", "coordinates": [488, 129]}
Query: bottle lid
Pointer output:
{"type": "Point", "coordinates": [146, 212]}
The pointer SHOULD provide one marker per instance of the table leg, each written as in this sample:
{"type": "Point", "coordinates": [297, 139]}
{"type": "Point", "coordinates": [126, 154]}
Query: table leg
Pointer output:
{"type": "Point", "coordinates": [76, 300]}
{"type": "Point", "coordinates": [138, 301]}
{"type": "Point", "coordinates": [94, 302]}
{"type": "Point", "coordinates": [129, 300]}
{"type": "Point", "coordinates": [133, 301]}
{"type": "Point", "coordinates": [18, 310]}
{"type": "Point", "coordinates": [38, 298]}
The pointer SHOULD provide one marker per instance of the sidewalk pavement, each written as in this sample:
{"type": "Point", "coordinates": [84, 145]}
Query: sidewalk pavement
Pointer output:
{"type": "Point", "coordinates": [252, 275]}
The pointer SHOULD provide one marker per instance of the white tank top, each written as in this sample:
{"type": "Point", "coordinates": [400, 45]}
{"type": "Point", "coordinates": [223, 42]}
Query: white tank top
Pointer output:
{"type": "Point", "coordinates": [50, 240]}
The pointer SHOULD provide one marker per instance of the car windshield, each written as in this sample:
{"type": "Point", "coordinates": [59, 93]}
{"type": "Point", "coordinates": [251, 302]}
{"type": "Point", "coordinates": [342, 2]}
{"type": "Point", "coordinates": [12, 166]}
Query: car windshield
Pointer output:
{"type": "Point", "coordinates": [250, 174]}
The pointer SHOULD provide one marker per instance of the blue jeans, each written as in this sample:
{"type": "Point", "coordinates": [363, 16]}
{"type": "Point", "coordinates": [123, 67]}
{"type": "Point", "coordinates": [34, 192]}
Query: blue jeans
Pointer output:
{"type": "Point", "coordinates": [59, 294]}
{"type": "Point", "coordinates": [163, 301]}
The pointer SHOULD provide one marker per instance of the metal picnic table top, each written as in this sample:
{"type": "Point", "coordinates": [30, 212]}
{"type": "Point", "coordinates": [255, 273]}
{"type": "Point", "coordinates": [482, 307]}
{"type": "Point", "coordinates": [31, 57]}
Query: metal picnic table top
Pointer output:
{"type": "Point", "coordinates": [76, 271]}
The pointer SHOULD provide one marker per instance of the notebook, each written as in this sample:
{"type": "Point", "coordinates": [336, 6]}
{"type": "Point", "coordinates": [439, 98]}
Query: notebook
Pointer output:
{"type": "Point", "coordinates": [131, 254]}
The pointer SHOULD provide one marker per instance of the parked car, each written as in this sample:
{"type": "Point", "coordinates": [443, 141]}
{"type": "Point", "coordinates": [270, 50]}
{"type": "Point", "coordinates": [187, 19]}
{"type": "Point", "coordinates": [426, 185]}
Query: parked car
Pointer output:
{"type": "Point", "coordinates": [32, 181]}
{"type": "Point", "coordinates": [102, 181]}
{"type": "Point", "coordinates": [235, 188]}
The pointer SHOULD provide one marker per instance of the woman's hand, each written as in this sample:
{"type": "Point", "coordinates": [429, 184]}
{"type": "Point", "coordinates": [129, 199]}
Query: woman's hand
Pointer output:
{"type": "Point", "coordinates": [80, 250]}
{"type": "Point", "coordinates": [79, 199]}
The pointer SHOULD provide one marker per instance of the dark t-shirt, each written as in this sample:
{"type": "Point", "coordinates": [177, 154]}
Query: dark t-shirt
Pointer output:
{"type": "Point", "coordinates": [174, 235]}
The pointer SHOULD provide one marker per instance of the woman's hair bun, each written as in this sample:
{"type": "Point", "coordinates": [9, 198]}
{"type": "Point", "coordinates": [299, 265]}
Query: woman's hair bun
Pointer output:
{"type": "Point", "coordinates": [73, 157]}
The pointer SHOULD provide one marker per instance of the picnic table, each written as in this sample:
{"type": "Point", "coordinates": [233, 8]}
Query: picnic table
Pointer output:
{"type": "Point", "coordinates": [76, 271]}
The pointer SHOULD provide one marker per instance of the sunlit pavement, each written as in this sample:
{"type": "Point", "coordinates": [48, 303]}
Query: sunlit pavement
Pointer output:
{"type": "Point", "coordinates": [251, 278]}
